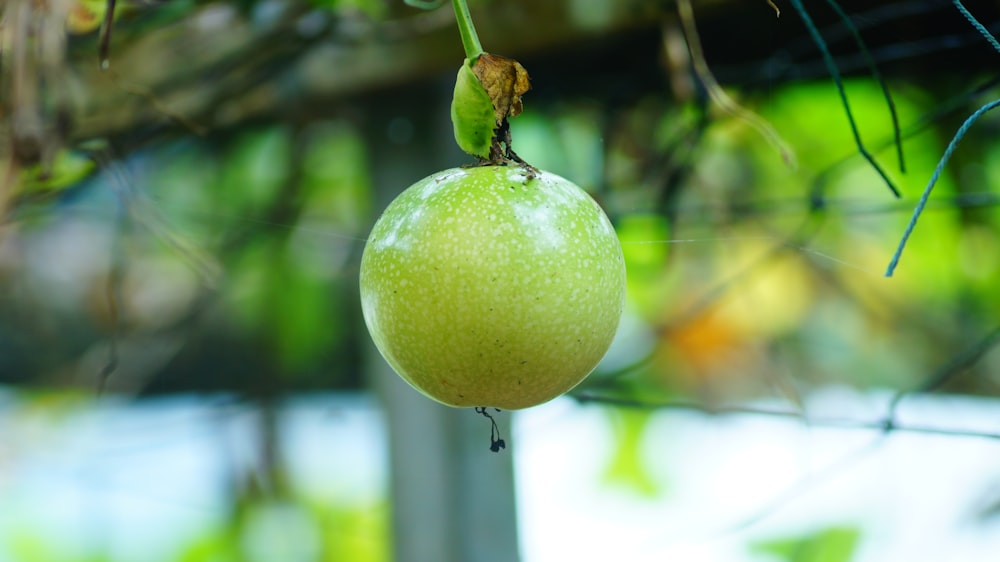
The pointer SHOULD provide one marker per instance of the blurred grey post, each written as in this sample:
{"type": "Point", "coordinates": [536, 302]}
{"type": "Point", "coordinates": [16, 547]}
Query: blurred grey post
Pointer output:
{"type": "Point", "coordinates": [452, 498]}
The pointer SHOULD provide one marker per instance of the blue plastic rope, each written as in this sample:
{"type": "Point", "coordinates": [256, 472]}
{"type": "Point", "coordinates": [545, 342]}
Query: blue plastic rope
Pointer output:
{"type": "Point", "coordinates": [897, 134]}
{"type": "Point", "coordinates": [979, 27]}
{"type": "Point", "coordinates": [934, 178]}
{"type": "Point", "coordinates": [951, 145]}
{"type": "Point", "coordinates": [831, 66]}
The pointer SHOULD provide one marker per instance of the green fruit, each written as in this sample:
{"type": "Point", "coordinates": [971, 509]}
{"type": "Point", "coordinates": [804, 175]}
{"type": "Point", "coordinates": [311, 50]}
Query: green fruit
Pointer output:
{"type": "Point", "coordinates": [491, 286]}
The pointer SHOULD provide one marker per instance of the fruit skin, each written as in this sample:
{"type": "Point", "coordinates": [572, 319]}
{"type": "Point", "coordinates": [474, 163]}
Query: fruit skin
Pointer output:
{"type": "Point", "coordinates": [493, 286]}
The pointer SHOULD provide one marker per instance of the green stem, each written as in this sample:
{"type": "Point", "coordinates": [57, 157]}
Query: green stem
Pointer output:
{"type": "Point", "coordinates": [470, 40]}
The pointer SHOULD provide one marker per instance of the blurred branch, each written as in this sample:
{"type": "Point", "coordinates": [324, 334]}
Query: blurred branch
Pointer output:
{"type": "Point", "coordinates": [885, 425]}
{"type": "Point", "coordinates": [217, 66]}
{"type": "Point", "coordinates": [954, 367]}
{"type": "Point", "coordinates": [727, 104]}
{"type": "Point", "coordinates": [32, 55]}
{"type": "Point", "coordinates": [299, 61]}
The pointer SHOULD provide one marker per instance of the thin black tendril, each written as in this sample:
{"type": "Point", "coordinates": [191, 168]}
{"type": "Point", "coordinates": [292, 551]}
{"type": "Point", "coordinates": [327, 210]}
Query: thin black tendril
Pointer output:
{"type": "Point", "coordinates": [496, 443]}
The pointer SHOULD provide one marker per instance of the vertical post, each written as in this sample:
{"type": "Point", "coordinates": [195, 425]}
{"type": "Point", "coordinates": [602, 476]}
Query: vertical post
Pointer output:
{"type": "Point", "coordinates": [488, 526]}
{"type": "Point", "coordinates": [452, 498]}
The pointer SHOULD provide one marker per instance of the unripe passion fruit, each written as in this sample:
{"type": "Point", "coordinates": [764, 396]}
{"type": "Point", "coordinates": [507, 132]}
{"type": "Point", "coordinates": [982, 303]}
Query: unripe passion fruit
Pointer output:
{"type": "Point", "coordinates": [490, 286]}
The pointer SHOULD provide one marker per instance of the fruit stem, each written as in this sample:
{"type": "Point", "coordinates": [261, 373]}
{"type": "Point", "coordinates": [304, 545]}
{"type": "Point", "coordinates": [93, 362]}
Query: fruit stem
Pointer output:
{"type": "Point", "coordinates": [470, 40]}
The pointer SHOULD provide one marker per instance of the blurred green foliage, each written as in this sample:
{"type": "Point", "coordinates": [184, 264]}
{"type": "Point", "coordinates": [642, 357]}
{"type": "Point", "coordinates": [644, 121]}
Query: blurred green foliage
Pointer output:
{"type": "Point", "coordinates": [750, 278]}
{"type": "Point", "coordinates": [283, 211]}
{"type": "Point", "coordinates": [296, 531]}
{"type": "Point", "coordinates": [731, 253]}
{"type": "Point", "coordinates": [375, 9]}
{"type": "Point", "coordinates": [626, 468]}
{"type": "Point", "coordinates": [836, 544]}
{"type": "Point", "coordinates": [644, 240]}
{"type": "Point", "coordinates": [68, 169]}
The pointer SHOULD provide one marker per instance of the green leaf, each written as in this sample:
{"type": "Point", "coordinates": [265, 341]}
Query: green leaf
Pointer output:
{"type": "Point", "coordinates": [472, 113]}
{"type": "Point", "coordinates": [374, 9]}
{"type": "Point", "coordinates": [354, 531]}
{"type": "Point", "coordinates": [304, 324]}
{"type": "Point", "coordinates": [645, 242]}
{"type": "Point", "coordinates": [274, 294]}
{"type": "Point", "coordinates": [336, 186]}
{"type": "Point", "coordinates": [834, 544]}
{"type": "Point", "coordinates": [424, 4]}
{"type": "Point", "coordinates": [215, 545]}
{"type": "Point", "coordinates": [626, 468]}
{"type": "Point", "coordinates": [67, 170]}
{"type": "Point", "coordinates": [255, 171]}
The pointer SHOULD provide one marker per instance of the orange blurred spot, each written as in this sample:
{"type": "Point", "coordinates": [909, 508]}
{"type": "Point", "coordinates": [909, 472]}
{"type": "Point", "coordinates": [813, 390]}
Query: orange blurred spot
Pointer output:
{"type": "Point", "coordinates": [82, 19]}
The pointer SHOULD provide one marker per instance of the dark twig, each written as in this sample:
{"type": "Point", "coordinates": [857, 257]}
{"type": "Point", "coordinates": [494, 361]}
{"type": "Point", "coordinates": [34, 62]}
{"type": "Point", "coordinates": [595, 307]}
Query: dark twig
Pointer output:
{"type": "Point", "coordinates": [113, 294]}
{"type": "Point", "coordinates": [104, 41]}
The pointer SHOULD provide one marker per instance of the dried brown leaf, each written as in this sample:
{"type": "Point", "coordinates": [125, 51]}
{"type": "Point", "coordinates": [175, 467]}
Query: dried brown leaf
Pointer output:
{"type": "Point", "coordinates": [505, 81]}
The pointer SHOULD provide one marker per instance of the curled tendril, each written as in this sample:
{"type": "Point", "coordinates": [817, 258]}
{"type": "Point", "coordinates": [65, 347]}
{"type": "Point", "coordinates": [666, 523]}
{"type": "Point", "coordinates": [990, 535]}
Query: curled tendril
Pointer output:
{"type": "Point", "coordinates": [496, 443]}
